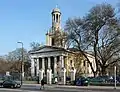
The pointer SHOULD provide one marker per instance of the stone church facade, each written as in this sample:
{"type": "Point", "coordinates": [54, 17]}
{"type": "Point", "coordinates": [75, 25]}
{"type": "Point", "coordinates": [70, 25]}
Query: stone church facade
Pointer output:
{"type": "Point", "coordinates": [54, 55]}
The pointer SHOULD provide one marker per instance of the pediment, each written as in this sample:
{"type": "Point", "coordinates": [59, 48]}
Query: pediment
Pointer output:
{"type": "Point", "coordinates": [44, 49]}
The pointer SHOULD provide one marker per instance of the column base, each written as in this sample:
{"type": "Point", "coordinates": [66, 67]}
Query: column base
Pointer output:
{"type": "Point", "coordinates": [49, 76]}
{"type": "Point", "coordinates": [63, 76]}
{"type": "Point", "coordinates": [41, 75]}
{"type": "Point", "coordinates": [72, 74]}
{"type": "Point", "coordinates": [23, 75]}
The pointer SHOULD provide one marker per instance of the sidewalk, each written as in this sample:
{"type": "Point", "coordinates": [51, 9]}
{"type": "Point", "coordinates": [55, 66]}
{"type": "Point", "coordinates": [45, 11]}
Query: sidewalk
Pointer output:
{"type": "Point", "coordinates": [77, 87]}
{"type": "Point", "coordinates": [87, 87]}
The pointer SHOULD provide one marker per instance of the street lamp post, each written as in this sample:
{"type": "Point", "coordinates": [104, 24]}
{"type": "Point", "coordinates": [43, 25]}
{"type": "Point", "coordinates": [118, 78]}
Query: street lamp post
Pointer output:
{"type": "Point", "coordinates": [22, 64]}
{"type": "Point", "coordinates": [115, 76]}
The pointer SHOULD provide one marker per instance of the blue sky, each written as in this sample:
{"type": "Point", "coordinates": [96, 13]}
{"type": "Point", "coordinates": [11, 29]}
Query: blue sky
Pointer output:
{"type": "Point", "coordinates": [29, 20]}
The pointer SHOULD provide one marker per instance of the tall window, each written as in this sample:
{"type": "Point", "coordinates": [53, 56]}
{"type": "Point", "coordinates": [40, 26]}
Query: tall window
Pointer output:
{"type": "Point", "coordinates": [56, 17]}
{"type": "Point", "coordinates": [84, 63]}
{"type": "Point", "coordinates": [53, 41]}
{"type": "Point", "coordinates": [71, 62]}
{"type": "Point", "coordinates": [59, 18]}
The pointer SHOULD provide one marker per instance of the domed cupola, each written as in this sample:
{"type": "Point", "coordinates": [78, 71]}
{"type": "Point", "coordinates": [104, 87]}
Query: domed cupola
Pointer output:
{"type": "Point", "coordinates": [56, 18]}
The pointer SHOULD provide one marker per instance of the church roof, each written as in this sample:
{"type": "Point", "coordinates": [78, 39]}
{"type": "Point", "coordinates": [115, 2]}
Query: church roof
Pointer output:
{"type": "Point", "coordinates": [56, 10]}
{"type": "Point", "coordinates": [47, 48]}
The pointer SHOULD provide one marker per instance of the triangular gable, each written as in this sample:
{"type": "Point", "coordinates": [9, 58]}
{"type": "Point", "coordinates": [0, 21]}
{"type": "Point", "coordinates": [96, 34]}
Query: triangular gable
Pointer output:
{"type": "Point", "coordinates": [47, 49]}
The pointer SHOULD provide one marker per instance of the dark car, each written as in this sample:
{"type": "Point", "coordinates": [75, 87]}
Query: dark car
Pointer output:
{"type": "Point", "coordinates": [82, 81]}
{"type": "Point", "coordinates": [11, 84]}
{"type": "Point", "coordinates": [96, 80]}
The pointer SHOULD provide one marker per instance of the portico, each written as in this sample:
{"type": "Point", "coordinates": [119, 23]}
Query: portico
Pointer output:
{"type": "Point", "coordinates": [51, 58]}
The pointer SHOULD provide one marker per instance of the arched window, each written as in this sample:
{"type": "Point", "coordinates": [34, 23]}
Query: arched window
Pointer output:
{"type": "Point", "coordinates": [56, 17]}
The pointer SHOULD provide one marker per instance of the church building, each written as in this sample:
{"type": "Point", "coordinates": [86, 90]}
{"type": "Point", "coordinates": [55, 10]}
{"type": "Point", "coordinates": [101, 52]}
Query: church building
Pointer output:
{"type": "Point", "coordinates": [55, 55]}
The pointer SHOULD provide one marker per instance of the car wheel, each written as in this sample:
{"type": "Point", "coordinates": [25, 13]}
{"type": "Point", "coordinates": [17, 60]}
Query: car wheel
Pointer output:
{"type": "Point", "coordinates": [19, 86]}
{"type": "Point", "coordinates": [15, 86]}
{"type": "Point", "coordinates": [12, 86]}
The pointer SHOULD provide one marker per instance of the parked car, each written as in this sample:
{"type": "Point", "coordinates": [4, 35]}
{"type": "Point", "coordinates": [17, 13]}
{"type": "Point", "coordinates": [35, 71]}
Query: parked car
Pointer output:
{"type": "Point", "coordinates": [11, 84]}
{"type": "Point", "coordinates": [82, 81]}
{"type": "Point", "coordinates": [96, 80]}
{"type": "Point", "coordinates": [111, 80]}
{"type": "Point", "coordinates": [1, 83]}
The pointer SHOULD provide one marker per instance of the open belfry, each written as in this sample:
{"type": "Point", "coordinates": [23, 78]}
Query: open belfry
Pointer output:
{"type": "Point", "coordinates": [54, 36]}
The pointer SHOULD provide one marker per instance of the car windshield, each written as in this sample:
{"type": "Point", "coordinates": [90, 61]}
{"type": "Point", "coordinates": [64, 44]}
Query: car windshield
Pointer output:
{"type": "Point", "coordinates": [10, 81]}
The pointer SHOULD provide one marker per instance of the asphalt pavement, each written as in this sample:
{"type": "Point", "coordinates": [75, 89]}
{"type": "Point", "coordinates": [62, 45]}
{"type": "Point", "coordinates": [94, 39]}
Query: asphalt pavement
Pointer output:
{"type": "Point", "coordinates": [60, 88]}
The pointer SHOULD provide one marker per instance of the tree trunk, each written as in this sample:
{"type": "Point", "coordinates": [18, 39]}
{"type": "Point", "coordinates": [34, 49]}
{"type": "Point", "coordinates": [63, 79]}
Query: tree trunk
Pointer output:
{"type": "Point", "coordinates": [96, 73]}
{"type": "Point", "coordinates": [103, 71]}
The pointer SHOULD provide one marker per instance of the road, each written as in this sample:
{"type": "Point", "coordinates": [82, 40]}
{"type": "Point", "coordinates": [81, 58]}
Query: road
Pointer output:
{"type": "Point", "coordinates": [35, 88]}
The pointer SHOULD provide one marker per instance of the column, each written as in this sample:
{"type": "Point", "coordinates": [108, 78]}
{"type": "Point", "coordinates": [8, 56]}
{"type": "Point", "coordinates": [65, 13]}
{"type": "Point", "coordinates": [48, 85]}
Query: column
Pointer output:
{"type": "Point", "coordinates": [42, 70]}
{"type": "Point", "coordinates": [55, 66]}
{"type": "Point", "coordinates": [67, 65]}
{"type": "Point", "coordinates": [72, 74]}
{"type": "Point", "coordinates": [62, 61]}
{"type": "Point", "coordinates": [63, 71]}
{"type": "Point", "coordinates": [52, 19]}
{"type": "Point", "coordinates": [49, 72]}
{"type": "Point", "coordinates": [55, 18]}
{"type": "Point", "coordinates": [49, 66]}
{"type": "Point", "coordinates": [43, 63]}
{"type": "Point", "coordinates": [63, 76]}
{"type": "Point", "coordinates": [32, 67]}
{"type": "Point", "coordinates": [59, 18]}
{"type": "Point", "coordinates": [37, 66]}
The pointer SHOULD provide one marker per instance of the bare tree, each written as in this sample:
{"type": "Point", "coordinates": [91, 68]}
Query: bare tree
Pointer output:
{"type": "Point", "coordinates": [86, 34]}
{"type": "Point", "coordinates": [35, 45]}
{"type": "Point", "coordinates": [14, 59]}
{"type": "Point", "coordinates": [109, 47]}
